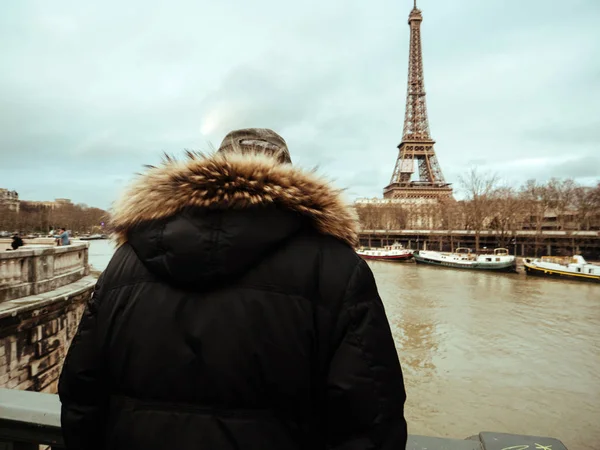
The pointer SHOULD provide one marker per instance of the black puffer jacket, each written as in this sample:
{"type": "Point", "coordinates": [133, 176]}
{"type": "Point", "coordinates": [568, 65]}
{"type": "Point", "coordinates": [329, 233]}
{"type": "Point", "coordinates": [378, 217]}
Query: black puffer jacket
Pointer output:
{"type": "Point", "coordinates": [234, 315]}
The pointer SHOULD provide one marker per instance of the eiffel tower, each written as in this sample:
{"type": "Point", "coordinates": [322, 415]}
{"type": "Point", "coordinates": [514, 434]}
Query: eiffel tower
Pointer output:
{"type": "Point", "coordinates": [416, 146]}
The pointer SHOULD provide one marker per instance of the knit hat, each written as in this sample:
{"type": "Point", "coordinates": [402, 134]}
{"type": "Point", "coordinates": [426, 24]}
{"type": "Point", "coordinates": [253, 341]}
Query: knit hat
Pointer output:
{"type": "Point", "coordinates": [256, 140]}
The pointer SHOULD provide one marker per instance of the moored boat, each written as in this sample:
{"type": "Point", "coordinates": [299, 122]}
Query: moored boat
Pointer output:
{"type": "Point", "coordinates": [93, 237]}
{"type": "Point", "coordinates": [573, 268]}
{"type": "Point", "coordinates": [463, 258]}
{"type": "Point", "coordinates": [394, 252]}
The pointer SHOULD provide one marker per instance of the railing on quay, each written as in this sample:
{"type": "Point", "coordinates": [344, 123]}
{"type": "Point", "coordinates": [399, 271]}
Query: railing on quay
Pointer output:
{"type": "Point", "coordinates": [525, 233]}
{"type": "Point", "coordinates": [30, 419]}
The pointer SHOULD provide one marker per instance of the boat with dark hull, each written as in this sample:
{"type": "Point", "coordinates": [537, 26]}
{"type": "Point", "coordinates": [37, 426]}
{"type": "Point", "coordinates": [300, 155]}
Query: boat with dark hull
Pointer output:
{"type": "Point", "coordinates": [395, 252]}
{"type": "Point", "coordinates": [463, 258]}
{"type": "Point", "coordinates": [570, 268]}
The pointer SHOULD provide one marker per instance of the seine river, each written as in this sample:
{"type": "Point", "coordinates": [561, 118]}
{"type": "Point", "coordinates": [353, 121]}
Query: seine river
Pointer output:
{"type": "Point", "coordinates": [489, 352]}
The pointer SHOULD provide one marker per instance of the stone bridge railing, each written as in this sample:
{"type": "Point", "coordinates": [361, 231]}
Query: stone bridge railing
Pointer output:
{"type": "Point", "coordinates": [35, 269]}
{"type": "Point", "coordinates": [28, 419]}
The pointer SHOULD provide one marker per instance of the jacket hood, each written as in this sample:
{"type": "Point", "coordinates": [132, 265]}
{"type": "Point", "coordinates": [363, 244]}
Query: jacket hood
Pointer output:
{"type": "Point", "coordinates": [222, 212]}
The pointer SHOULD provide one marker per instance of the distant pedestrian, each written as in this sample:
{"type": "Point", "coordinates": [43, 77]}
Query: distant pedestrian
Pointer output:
{"type": "Point", "coordinates": [17, 241]}
{"type": "Point", "coordinates": [63, 237]}
{"type": "Point", "coordinates": [235, 314]}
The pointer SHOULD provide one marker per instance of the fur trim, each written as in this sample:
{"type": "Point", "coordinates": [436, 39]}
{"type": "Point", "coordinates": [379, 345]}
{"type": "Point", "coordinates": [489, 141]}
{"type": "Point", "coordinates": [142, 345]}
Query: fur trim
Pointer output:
{"type": "Point", "coordinates": [225, 181]}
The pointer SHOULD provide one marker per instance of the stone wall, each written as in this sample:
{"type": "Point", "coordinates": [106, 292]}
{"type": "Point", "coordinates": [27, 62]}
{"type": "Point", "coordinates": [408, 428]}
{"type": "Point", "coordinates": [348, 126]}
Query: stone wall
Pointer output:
{"type": "Point", "coordinates": [35, 333]}
{"type": "Point", "coordinates": [37, 269]}
{"type": "Point", "coordinates": [5, 242]}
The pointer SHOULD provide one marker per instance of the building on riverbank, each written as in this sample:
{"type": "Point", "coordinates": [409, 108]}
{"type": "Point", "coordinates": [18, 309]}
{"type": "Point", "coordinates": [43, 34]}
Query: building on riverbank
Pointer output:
{"type": "Point", "coordinates": [55, 204]}
{"type": "Point", "coordinates": [9, 200]}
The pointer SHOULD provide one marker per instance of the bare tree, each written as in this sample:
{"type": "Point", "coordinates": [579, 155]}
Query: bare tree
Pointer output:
{"type": "Point", "coordinates": [557, 204]}
{"type": "Point", "coordinates": [478, 189]}
{"type": "Point", "coordinates": [381, 216]}
{"type": "Point", "coordinates": [595, 215]}
{"type": "Point", "coordinates": [35, 217]}
{"type": "Point", "coordinates": [449, 214]}
{"type": "Point", "coordinates": [561, 196]}
{"type": "Point", "coordinates": [8, 219]}
{"type": "Point", "coordinates": [367, 216]}
{"type": "Point", "coordinates": [538, 201]}
{"type": "Point", "coordinates": [510, 211]}
{"type": "Point", "coordinates": [586, 206]}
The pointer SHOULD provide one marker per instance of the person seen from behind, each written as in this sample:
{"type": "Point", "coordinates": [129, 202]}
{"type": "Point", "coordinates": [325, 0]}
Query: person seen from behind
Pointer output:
{"type": "Point", "coordinates": [235, 314]}
{"type": "Point", "coordinates": [17, 241]}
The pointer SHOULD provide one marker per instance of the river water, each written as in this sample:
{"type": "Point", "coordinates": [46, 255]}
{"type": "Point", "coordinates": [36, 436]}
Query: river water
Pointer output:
{"type": "Point", "coordinates": [489, 352]}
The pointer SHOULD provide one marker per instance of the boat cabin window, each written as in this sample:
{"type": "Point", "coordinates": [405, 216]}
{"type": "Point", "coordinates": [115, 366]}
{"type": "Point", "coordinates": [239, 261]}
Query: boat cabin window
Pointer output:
{"type": "Point", "coordinates": [579, 269]}
{"type": "Point", "coordinates": [488, 259]}
{"type": "Point", "coordinates": [497, 259]}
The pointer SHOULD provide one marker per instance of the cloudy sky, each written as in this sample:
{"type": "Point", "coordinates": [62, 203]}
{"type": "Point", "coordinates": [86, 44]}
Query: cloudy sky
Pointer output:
{"type": "Point", "coordinates": [91, 91]}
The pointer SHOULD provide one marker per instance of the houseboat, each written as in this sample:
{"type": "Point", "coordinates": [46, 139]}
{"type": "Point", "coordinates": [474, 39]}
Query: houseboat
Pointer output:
{"type": "Point", "coordinates": [573, 268]}
{"type": "Point", "coordinates": [394, 252]}
{"type": "Point", "coordinates": [463, 258]}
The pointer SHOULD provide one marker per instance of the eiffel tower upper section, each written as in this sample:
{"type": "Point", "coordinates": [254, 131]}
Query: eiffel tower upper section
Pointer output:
{"type": "Point", "coordinates": [416, 147]}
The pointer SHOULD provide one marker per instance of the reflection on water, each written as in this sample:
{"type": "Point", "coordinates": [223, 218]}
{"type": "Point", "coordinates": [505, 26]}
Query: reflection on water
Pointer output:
{"type": "Point", "coordinates": [489, 352]}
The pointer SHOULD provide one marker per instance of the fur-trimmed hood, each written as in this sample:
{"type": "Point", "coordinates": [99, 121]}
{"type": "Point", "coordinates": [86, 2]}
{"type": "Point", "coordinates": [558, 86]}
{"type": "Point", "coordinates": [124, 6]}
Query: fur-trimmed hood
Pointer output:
{"type": "Point", "coordinates": [232, 181]}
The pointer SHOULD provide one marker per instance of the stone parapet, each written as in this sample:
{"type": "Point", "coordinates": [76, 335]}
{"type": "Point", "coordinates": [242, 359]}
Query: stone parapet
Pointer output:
{"type": "Point", "coordinates": [35, 269]}
{"type": "Point", "coordinates": [31, 418]}
{"type": "Point", "coordinates": [5, 242]}
{"type": "Point", "coordinates": [35, 333]}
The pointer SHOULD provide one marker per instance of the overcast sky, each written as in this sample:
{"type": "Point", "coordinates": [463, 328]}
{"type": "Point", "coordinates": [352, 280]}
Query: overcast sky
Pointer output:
{"type": "Point", "coordinates": [91, 91]}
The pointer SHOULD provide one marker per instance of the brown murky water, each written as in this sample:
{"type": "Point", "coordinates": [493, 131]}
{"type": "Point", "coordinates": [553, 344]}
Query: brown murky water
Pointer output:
{"type": "Point", "coordinates": [490, 352]}
{"type": "Point", "coordinates": [496, 352]}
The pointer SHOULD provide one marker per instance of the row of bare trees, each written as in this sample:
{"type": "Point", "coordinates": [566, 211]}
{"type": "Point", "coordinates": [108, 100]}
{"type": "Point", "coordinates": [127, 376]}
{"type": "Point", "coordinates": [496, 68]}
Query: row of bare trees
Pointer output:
{"type": "Point", "coordinates": [554, 205]}
{"type": "Point", "coordinates": [488, 204]}
{"type": "Point", "coordinates": [36, 218]}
